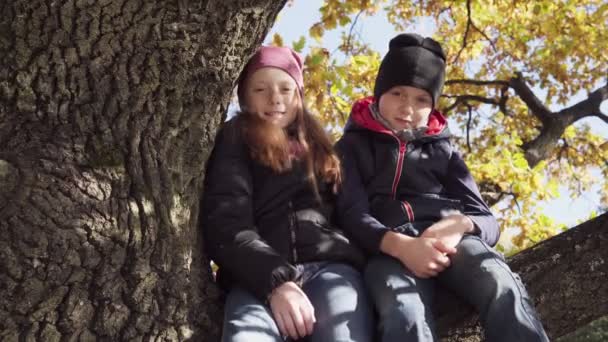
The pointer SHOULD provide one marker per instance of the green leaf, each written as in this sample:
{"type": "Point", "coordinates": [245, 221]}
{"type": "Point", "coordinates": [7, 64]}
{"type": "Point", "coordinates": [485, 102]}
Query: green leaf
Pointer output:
{"type": "Point", "coordinates": [299, 45]}
{"type": "Point", "coordinates": [316, 59]}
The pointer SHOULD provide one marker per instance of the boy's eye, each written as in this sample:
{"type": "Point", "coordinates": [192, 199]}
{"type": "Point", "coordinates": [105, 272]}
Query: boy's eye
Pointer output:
{"type": "Point", "coordinates": [395, 93]}
{"type": "Point", "coordinates": [424, 100]}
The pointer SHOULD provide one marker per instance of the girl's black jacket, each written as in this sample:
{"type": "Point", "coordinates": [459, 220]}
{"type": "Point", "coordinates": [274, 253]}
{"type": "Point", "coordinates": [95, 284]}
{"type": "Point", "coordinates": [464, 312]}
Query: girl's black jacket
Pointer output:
{"type": "Point", "coordinates": [258, 224]}
{"type": "Point", "coordinates": [392, 183]}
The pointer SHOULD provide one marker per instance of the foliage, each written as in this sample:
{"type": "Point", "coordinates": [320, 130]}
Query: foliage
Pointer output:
{"type": "Point", "coordinates": [596, 331]}
{"type": "Point", "coordinates": [555, 48]}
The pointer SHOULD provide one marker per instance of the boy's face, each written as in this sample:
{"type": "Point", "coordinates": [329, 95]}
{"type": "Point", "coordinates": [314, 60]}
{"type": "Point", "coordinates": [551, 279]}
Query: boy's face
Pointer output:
{"type": "Point", "coordinates": [406, 107]}
{"type": "Point", "coordinates": [273, 95]}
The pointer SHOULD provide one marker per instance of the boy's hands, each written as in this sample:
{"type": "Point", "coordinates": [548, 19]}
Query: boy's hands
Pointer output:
{"type": "Point", "coordinates": [424, 256]}
{"type": "Point", "coordinates": [292, 310]}
{"type": "Point", "coordinates": [450, 229]}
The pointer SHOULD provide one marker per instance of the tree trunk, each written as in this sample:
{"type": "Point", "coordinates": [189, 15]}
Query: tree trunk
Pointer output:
{"type": "Point", "coordinates": [566, 277]}
{"type": "Point", "coordinates": [108, 111]}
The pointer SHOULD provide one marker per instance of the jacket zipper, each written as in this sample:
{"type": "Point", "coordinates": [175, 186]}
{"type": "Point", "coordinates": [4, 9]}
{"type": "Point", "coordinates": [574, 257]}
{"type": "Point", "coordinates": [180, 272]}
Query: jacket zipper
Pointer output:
{"type": "Point", "coordinates": [292, 231]}
{"type": "Point", "coordinates": [402, 149]}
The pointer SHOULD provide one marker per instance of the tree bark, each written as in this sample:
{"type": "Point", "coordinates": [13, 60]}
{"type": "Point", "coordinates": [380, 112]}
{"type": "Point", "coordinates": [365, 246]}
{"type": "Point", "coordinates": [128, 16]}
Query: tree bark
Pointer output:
{"type": "Point", "coordinates": [108, 111]}
{"type": "Point", "coordinates": [565, 276]}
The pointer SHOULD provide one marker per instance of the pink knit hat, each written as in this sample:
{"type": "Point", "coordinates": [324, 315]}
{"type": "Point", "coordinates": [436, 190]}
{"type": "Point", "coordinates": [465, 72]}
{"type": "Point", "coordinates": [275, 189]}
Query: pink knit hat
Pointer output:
{"type": "Point", "coordinates": [282, 58]}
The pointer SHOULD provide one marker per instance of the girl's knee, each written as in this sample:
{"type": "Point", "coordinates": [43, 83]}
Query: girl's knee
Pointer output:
{"type": "Point", "coordinates": [342, 270]}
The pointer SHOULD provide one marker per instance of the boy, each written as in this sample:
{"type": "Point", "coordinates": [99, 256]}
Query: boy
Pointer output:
{"type": "Point", "coordinates": [409, 195]}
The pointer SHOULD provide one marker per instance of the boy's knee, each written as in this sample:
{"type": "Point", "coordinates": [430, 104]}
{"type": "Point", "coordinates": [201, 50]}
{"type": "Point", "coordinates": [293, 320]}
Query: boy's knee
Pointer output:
{"type": "Point", "coordinates": [405, 321]}
{"type": "Point", "coordinates": [497, 288]}
{"type": "Point", "coordinates": [404, 311]}
{"type": "Point", "coordinates": [473, 253]}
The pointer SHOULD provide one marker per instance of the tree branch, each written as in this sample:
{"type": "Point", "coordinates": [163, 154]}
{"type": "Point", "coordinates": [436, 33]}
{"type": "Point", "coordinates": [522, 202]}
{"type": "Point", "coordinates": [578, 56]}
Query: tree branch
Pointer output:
{"type": "Point", "coordinates": [491, 193]}
{"type": "Point", "coordinates": [587, 107]}
{"type": "Point", "coordinates": [477, 82]}
{"type": "Point", "coordinates": [465, 98]}
{"type": "Point", "coordinates": [347, 46]}
{"type": "Point", "coordinates": [537, 108]}
{"type": "Point", "coordinates": [466, 32]}
{"type": "Point", "coordinates": [548, 270]}
{"type": "Point", "coordinates": [553, 123]}
{"type": "Point", "coordinates": [470, 24]}
{"type": "Point", "coordinates": [485, 36]}
{"type": "Point", "coordinates": [603, 117]}
{"type": "Point", "coordinates": [502, 103]}
{"type": "Point", "coordinates": [469, 127]}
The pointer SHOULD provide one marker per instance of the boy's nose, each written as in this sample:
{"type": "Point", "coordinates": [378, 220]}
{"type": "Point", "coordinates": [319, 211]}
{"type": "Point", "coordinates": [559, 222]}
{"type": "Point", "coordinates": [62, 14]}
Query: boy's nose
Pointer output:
{"type": "Point", "coordinates": [406, 106]}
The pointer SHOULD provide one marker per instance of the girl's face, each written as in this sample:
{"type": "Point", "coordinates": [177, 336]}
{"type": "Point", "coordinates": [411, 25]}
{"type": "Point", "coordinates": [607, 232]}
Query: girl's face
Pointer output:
{"type": "Point", "coordinates": [273, 95]}
{"type": "Point", "coordinates": [406, 107]}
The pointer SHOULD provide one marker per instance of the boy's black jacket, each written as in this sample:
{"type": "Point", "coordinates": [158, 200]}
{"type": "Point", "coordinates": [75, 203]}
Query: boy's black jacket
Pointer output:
{"type": "Point", "coordinates": [257, 224]}
{"type": "Point", "coordinates": [390, 183]}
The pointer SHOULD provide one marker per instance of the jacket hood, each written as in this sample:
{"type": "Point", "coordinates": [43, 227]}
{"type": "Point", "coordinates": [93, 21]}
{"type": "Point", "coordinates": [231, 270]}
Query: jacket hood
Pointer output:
{"type": "Point", "coordinates": [361, 118]}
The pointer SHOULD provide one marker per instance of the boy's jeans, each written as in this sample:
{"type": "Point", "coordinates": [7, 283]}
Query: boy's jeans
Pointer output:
{"type": "Point", "coordinates": [477, 274]}
{"type": "Point", "coordinates": [337, 293]}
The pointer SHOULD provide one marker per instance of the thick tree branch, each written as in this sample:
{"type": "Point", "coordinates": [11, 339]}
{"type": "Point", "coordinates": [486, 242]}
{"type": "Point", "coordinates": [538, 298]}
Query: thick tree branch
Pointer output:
{"type": "Point", "coordinates": [553, 123]}
{"type": "Point", "coordinates": [588, 107]}
{"type": "Point", "coordinates": [502, 103]}
{"type": "Point", "coordinates": [537, 108]}
{"type": "Point", "coordinates": [565, 276]}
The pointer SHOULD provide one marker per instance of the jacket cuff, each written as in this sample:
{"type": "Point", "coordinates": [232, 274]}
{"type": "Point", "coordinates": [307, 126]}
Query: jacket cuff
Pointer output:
{"type": "Point", "coordinates": [278, 277]}
{"type": "Point", "coordinates": [487, 228]}
{"type": "Point", "coordinates": [376, 237]}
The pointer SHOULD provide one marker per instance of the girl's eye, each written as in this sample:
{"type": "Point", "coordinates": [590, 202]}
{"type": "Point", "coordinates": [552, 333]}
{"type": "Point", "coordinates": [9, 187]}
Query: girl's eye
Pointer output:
{"type": "Point", "coordinates": [257, 90]}
{"type": "Point", "coordinates": [285, 90]}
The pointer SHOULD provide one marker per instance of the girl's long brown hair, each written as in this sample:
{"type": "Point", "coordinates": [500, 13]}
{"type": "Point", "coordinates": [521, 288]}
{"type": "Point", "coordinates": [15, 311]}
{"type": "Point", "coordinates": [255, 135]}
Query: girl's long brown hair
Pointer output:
{"type": "Point", "coordinates": [304, 139]}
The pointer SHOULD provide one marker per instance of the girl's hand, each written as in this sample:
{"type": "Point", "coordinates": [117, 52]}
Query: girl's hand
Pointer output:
{"type": "Point", "coordinates": [292, 310]}
{"type": "Point", "coordinates": [450, 229]}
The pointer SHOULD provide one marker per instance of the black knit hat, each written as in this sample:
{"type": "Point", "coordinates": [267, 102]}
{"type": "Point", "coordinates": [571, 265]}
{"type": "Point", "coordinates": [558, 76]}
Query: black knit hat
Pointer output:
{"type": "Point", "coordinates": [412, 60]}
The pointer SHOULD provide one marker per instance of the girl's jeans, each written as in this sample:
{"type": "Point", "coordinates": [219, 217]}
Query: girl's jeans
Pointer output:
{"type": "Point", "coordinates": [477, 274]}
{"type": "Point", "coordinates": [342, 309]}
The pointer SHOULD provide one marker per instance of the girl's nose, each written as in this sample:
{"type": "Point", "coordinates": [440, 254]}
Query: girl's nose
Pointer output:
{"type": "Point", "coordinates": [275, 97]}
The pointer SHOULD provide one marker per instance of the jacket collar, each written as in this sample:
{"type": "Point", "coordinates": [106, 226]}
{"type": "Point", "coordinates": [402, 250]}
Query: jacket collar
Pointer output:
{"type": "Point", "coordinates": [363, 118]}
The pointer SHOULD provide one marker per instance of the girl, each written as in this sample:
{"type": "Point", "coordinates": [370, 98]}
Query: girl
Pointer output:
{"type": "Point", "coordinates": [267, 202]}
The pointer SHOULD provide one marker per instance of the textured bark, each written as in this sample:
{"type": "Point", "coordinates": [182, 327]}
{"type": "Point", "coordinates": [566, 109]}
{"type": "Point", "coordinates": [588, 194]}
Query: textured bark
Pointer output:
{"type": "Point", "coordinates": [108, 110]}
{"type": "Point", "coordinates": [566, 277]}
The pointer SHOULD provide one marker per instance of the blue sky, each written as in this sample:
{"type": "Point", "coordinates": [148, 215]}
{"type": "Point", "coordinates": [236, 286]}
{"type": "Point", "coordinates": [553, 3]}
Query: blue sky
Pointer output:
{"type": "Point", "coordinates": [294, 21]}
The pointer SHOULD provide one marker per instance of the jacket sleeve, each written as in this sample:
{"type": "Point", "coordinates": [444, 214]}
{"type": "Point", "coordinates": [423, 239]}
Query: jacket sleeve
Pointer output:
{"type": "Point", "coordinates": [352, 204]}
{"type": "Point", "coordinates": [459, 184]}
{"type": "Point", "coordinates": [231, 238]}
